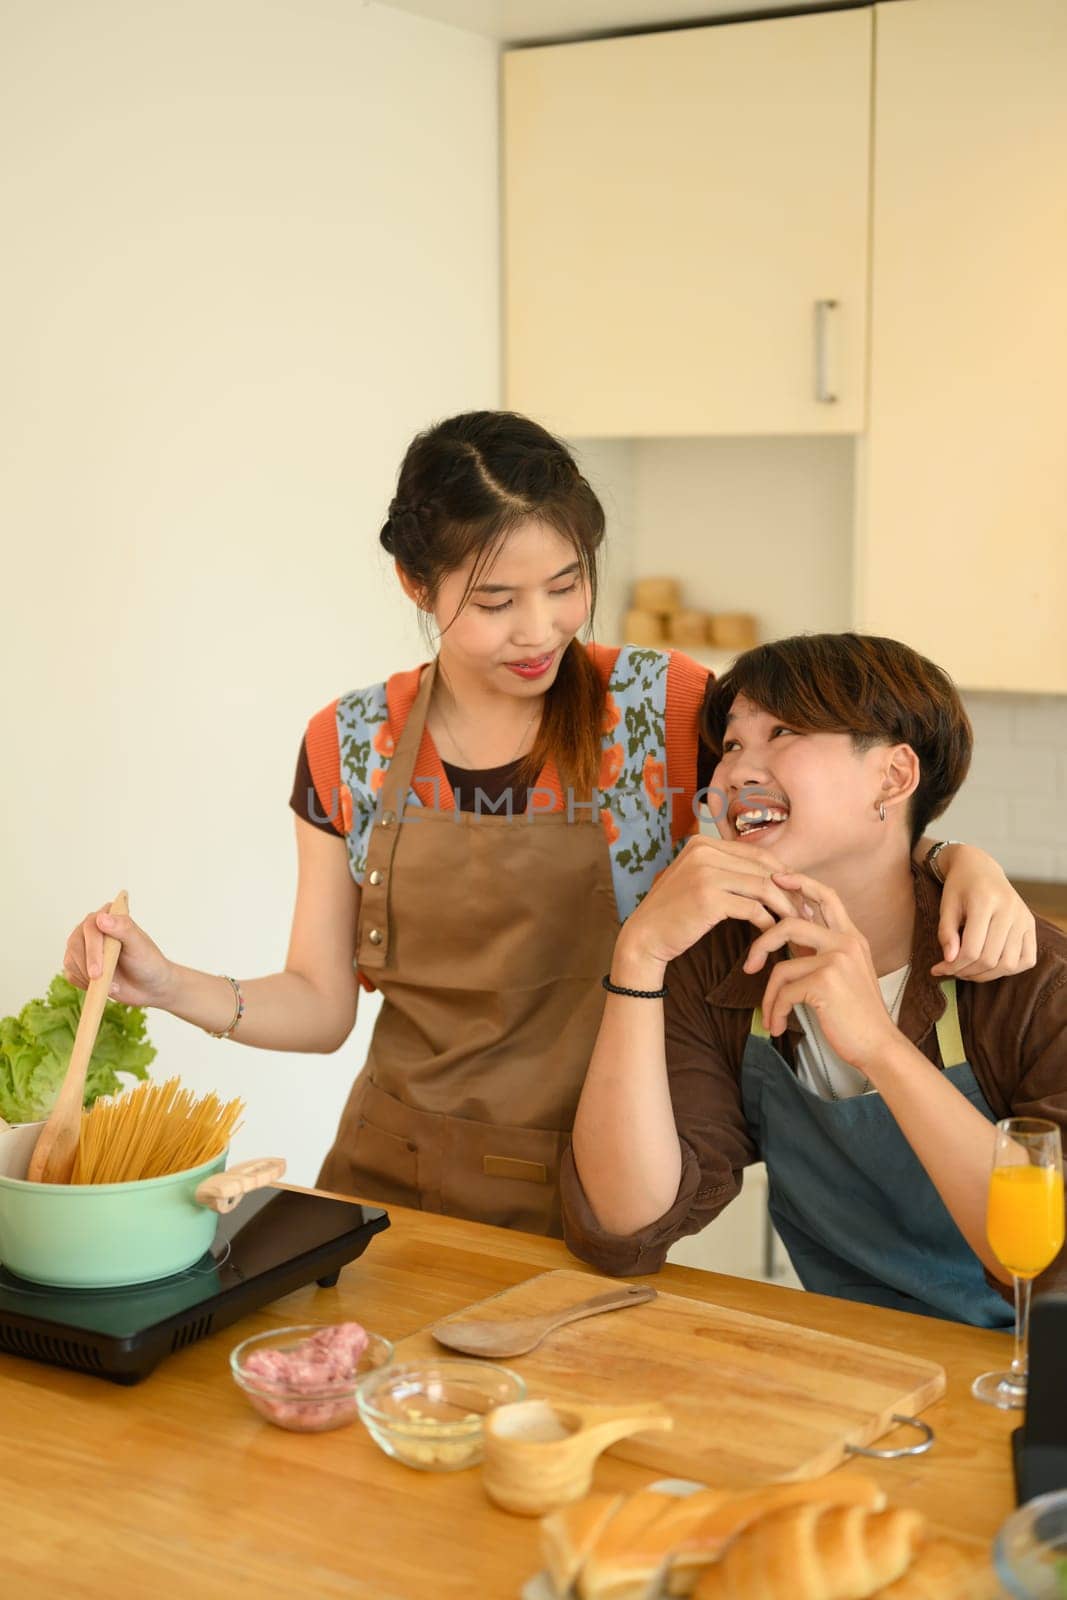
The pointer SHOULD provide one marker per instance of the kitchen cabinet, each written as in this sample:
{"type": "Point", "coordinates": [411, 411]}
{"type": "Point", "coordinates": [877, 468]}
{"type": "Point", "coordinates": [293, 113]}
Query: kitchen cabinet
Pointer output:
{"type": "Point", "coordinates": [961, 525]}
{"type": "Point", "coordinates": [686, 226]}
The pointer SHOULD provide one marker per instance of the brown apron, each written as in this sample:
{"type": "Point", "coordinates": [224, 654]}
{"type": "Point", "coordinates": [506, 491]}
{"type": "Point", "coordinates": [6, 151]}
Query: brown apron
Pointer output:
{"type": "Point", "coordinates": [487, 937]}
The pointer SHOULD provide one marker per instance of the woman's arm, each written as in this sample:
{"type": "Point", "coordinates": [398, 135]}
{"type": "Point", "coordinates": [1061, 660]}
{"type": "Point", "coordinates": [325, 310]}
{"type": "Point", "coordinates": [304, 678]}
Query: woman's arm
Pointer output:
{"type": "Point", "coordinates": [985, 929]}
{"type": "Point", "coordinates": [310, 1006]}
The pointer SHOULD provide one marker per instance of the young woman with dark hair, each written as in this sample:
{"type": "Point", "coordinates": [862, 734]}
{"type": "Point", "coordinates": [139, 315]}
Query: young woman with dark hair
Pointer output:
{"type": "Point", "coordinates": [788, 1004]}
{"type": "Point", "coordinates": [472, 833]}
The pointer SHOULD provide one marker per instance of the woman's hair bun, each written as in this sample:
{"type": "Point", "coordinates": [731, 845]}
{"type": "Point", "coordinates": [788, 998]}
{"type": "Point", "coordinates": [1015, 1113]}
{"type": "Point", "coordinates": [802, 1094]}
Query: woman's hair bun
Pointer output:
{"type": "Point", "coordinates": [403, 535]}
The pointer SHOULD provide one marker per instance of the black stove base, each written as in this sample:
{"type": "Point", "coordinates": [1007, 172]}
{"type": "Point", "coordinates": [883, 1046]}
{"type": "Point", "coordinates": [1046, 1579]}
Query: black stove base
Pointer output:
{"type": "Point", "coordinates": [275, 1241]}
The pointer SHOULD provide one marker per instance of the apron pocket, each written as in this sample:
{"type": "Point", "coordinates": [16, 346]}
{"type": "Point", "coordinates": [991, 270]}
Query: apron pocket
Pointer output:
{"type": "Point", "coordinates": [375, 1155]}
{"type": "Point", "coordinates": [385, 1166]}
{"type": "Point", "coordinates": [507, 1176]}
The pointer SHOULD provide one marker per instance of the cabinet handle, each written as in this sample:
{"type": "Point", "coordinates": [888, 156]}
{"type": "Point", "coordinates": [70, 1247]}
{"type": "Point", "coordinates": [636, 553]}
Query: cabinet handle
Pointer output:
{"type": "Point", "coordinates": [823, 392]}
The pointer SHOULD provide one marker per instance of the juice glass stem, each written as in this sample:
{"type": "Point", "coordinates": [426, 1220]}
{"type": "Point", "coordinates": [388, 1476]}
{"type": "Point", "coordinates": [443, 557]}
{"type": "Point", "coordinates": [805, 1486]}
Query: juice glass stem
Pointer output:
{"type": "Point", "coordinates": [1022, 1331]}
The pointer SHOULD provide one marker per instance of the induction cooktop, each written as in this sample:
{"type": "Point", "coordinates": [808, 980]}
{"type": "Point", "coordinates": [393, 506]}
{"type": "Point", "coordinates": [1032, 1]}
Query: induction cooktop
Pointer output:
{"type": "Point", "coordinates": [274, 1241]}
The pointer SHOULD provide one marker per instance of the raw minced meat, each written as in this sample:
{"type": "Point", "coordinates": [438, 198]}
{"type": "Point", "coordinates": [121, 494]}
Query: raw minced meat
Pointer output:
{"type": "Point", "coordinates": [313, 1381]}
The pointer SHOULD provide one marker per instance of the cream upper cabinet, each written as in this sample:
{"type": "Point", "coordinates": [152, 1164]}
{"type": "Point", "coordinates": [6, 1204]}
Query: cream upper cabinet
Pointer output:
{"type": "Point", "coordinates": [686, 229]}
{"type": "Point", "coordinates": [962, 482]}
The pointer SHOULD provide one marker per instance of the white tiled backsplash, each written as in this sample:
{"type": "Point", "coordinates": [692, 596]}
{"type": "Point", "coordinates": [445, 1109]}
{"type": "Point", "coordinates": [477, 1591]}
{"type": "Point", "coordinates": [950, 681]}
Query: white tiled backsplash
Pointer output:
{"type": "Point", "coordinates": [1014, 803]}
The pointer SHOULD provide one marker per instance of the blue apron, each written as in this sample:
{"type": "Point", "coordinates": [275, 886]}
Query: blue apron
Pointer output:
{"type": "Point", "coordinates": [851, 1200]}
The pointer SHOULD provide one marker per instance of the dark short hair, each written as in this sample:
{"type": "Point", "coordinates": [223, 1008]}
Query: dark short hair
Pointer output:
{"type": "Point", "coordinates": [877, 690]}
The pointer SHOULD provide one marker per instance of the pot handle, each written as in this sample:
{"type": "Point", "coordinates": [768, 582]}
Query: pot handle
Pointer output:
{"type": "Point", "coordinates": [222, 1192]}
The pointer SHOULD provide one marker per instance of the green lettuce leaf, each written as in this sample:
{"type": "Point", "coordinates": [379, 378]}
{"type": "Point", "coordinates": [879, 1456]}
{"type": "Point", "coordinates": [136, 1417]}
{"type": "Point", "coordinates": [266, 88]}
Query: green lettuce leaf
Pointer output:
{"type": "Point", "coordinates": [35, 1048]}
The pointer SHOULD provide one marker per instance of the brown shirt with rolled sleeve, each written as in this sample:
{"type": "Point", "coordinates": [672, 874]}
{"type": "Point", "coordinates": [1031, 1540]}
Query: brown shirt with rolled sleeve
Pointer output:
{"type": "Point", "coordinates": [1013, 1032]}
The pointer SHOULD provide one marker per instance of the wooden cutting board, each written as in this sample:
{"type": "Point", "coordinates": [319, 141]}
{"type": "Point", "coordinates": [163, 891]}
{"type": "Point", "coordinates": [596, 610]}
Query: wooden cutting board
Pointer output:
{"type": "Point", "coordinates": [753, 1400]}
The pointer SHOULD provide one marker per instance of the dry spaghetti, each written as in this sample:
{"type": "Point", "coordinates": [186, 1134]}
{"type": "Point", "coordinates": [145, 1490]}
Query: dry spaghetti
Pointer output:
{"type": "Point", "coordinates": [150, 1131]}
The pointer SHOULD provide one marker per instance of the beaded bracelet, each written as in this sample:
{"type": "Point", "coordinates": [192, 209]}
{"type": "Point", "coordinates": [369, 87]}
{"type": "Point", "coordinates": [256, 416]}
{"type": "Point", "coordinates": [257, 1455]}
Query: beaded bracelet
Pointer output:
{"type": "Point", "coordinates": [238, 1012]}
{"type": "Point", "coordinates": [632, 994]}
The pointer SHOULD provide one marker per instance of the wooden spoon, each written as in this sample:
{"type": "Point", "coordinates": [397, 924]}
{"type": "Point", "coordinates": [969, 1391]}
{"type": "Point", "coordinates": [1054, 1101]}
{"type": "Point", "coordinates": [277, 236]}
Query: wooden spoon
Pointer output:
{"type": "Point", "coordinates": [57, 1144]}
{"type": "Point", "coordinates": [476, 1336]}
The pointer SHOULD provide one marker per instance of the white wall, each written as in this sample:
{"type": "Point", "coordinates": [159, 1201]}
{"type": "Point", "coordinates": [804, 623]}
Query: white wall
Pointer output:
{"type": "Point", "coordinates": [750, 524]}
{"type": "Point", "coordinates": [746, 524]}
{"type": "Point", "coordinates": [608, 464]}
{"type": "Point", "coordinates": [250, 248]}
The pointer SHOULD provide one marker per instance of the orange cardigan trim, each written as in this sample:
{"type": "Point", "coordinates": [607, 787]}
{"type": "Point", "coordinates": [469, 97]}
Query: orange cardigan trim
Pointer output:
{"type": "Point", "coordinates": [687, 684]}
{"type": "Point", "coordinates": [324, 759]}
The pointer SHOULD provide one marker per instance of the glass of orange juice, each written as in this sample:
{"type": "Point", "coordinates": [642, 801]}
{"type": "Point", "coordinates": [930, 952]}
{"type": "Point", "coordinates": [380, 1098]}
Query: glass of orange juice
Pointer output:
{"type": "Point", "coordinates": [1024, 1225]}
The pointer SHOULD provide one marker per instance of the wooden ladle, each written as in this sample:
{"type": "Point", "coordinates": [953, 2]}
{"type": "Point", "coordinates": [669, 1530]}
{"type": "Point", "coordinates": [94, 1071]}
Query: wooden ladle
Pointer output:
{"type": "Point", "coordinates": [514, 1336]}
{"type": "Point", "coordinates": [57, 1144]}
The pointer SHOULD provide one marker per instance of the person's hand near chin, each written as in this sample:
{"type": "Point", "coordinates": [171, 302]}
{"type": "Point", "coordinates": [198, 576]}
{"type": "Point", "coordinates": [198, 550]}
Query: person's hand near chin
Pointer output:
{"type": "Point", "coordinates": [710, 881]}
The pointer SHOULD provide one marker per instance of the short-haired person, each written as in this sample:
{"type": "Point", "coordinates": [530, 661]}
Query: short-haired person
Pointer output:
{"type": "Point", "coordinates": [807, 1022]}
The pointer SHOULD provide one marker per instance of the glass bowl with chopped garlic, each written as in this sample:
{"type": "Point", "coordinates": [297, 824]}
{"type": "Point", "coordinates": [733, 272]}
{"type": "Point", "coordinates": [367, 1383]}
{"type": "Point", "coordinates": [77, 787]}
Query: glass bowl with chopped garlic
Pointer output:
{"type": "Point", "coordinates": [431, 1414]}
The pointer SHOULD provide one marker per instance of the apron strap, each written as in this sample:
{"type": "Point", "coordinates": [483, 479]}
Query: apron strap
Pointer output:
{"type": "Point", "coordinates": [375, 922]}
{"type": "Point", "coordinates": [949, 1035]}
{"type": "Point", "coordinates": [401, 769]}
{"type": "Point", "coordinates": [947, 1026]}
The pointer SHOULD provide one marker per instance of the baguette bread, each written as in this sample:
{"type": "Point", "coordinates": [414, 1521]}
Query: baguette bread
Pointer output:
{"type": "Point", "coordinates": [568, 1535]}
{"type": "Point", "coordinates": [726, 1521]}
{"type": "Point", "coordinates": [605, 1574]}
{"type": "Point", "coordinates": [627, 1570]}
{"type": "Point", "coordinates": [815, 1552]}
{"type": "Point", "coordinates": [620, 1549]}
{"type": "Point", "coordinates": [946, 1569]}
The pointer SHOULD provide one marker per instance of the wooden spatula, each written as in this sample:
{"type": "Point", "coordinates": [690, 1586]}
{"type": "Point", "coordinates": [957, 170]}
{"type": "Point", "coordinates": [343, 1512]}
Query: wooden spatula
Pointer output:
{"type": "Point", "coordinates": [57, 1144]}
{"type": "Point", "coordinates": [477, 1336]}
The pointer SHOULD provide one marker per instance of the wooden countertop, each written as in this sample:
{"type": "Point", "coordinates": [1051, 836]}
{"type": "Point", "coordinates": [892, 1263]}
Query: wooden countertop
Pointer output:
{"type": "Point", "coordinates": [177, 1488]}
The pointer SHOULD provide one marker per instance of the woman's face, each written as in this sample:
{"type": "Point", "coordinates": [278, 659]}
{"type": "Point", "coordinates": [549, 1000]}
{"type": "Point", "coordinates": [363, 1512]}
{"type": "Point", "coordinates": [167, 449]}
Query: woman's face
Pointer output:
{"type": "Point", "coordinates": [514, 626]}
{"type": "Point", "coordinates": [811, 798]}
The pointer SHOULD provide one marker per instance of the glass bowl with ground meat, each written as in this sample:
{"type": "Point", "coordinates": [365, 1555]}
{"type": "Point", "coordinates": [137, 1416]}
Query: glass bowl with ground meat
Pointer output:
{"type": "Point", "coordinates": [304, 1378]}
{"type": "Point", "coordinates": [431, 1414]}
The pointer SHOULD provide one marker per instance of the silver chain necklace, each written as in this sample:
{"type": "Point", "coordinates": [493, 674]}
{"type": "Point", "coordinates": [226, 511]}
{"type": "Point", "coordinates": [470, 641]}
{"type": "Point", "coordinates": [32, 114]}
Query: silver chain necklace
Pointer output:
{"type": "Point", "coordinates": [813, 1037]}
{"type": "Point", "coordinates": [464, 757]}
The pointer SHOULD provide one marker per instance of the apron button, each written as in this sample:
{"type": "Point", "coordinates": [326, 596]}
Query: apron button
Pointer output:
{"type": "Point", "coordinates": [375, 877]}
{"type": "Point", "coordinates": [375, 936]}
{"type": "Point", "coordinates": [388, 818]}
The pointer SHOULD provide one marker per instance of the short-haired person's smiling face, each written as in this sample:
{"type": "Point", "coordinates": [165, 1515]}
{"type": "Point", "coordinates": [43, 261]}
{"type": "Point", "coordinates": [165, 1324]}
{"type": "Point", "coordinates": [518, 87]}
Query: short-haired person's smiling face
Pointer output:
{"type": "Point", "coordinates": [509, 634]}
{"type": "Point", "coordinates": [811, 798]}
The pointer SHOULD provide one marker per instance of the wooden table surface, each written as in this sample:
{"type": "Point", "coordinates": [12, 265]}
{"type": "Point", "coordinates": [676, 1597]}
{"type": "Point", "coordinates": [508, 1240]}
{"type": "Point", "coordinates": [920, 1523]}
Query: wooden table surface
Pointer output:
{"type": "Point", "coordinates": [176, 1487]}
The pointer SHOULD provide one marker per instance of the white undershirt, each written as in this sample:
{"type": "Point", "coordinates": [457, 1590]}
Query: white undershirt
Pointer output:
{"type": "Point", "coordinates": [845, 1079]}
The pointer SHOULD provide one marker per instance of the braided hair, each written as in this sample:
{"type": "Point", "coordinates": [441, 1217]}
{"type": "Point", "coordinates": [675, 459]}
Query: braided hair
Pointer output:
{"type": "Point", "coordinates": [464, 484]}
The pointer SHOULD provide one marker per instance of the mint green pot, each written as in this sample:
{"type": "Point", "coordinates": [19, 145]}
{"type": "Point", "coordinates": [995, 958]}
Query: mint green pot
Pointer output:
{"type": "Point", "coordinates": [101, 1236]}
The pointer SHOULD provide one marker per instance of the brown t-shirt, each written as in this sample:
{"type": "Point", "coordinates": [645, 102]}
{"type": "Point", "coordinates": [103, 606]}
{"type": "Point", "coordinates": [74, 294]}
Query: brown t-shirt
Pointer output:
{"type": "Point", "coordinates": [1013, 1033]}
{"type": "Point", "coordinates": [492, 783]}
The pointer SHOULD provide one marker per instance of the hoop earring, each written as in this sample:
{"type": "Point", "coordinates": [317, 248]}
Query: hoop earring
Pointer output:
{"type": "Point", "coordinates": [881, 810]}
